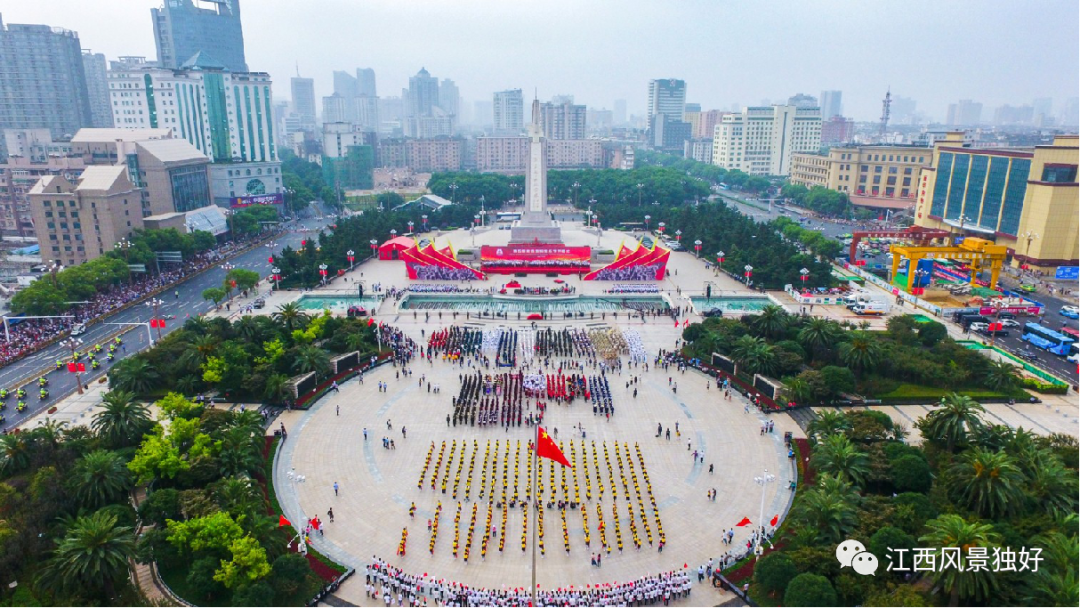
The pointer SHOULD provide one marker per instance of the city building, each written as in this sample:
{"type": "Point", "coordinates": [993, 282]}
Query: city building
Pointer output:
{"type": "Point", "coordinates": [831, 104]}
{"type": "Point", "coordinates": [391, 116]}
{"type": "Point", "coordinates": [699, 150]}
{"type": "Point", "coordinates": [508, 113]}
{"type": "Point", "coordinates": [1070, 112]}
{"type": "Point", "coordinates": [510, 154]}
{"type": "Point", "coordinates": [837, 130]}
{"type": "Point", "coordinates": [964, 113]}
{"type": "Point", "coordinates": [1013, 115]}
{"type": "Point", "coordinates": [97, 89]}
{"type": "Point", "coordinates": [42, 80]}
{"type": "Point", "coordinates": [668, 97]}
{"type": "Point", "coordinates": [562, 120]}
{"type": "Point", "coordinates": [338, 108]}
{"type": "Point", "coordinates": [483, 114]}
{"type": "Point", "coordinates": [1026, 199]}
{"type": "Point", "coordinates": [623, 158]}
{"type": "Point", "coordinates": [449, 97]}
{"type": "Point", "coordinates": [667, 134]}
{"type": "Point", "coordinates": [182, 29]}
{"type": "Point", "coordinates": [303, 101]}
{"type": "Point", "coordinates": [619, 112]}
{"type": "Point", "coordinates": [430, 155]}
{"type": "Point", "coordinates": [903, 111]}
{"type": "Point", "coordinates": [392, 153]}
{"type": "Point", "coordinates": [37, 145]}
{"type": "Point", "coordinates": [877, 176]}
{"type": "Point", "coordinates": [761, 140]}
{"type": "Point", "coordinates": [599, 121]}
{"type": "Point", "coordinates": [801, 100]}
{"type": "Point", "coordinates": [32, 155]}
{"type": "Point", "coordinates": [344, 85]}
{"type": "Point", "coordinates": [79, 220]}
{"type": "Point", "coordinates": [365, 82]}
{"type": "Point", "coordinates": [1041, 111]}
{"type": "Point", "coordinates": [707, 124]}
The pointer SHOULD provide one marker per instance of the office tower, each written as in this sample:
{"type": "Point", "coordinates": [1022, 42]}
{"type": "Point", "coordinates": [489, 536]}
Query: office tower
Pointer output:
{"type": "Point", "coordinates": [761, 140]}
{"type": "Point", "coordinates": [366, 113]}
{"type": "Point", "coordinates": [345, 84]}
{"type": "Point", "coordinates": [97, 89]}
{"type": "Point", "coordinates": [303, 101]}
{"type": "Point", "coordinates": [365, 82]}
{"type": "Point", "coordinates": [182, 29]}
{"type": "Point", "coordinates": [423, 93]}
{"type": "Point", "coordinates": [692, 107]}
{"type": "Point", "coordinates": [42, 80]}
{"type": "Point", "coordinates": [1013, 115]}
{"type": "Point", "coordinates": [562, 120]}
{"type": "Point", "coordinates": [391, 109]}
{"type": "Point", "coordinates": [830, 104]}
{"type": "Point", "coordinates": [337, 108]}
{"type": "Point", "coordinates": [667, 97]}
{"type": "Point", "coordinates": [707, 123]}
{"type": "Point", "coordinates": [964, 113]}
{"type": "Point", "coordinates": [619, 112]}
{"type": "Point", "coordinates": [801, 100]}
{"type": "Point", "coordinates": [508, 109]}
{"type": "Point", "coordinates": [449, 98]}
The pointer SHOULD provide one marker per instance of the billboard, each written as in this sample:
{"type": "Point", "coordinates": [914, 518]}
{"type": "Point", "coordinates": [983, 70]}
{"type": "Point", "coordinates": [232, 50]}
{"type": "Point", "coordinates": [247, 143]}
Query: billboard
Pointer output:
{"type": "Point", "coordinates": [1070, 273]}
{"type": "Point", "coordinates": [258, 199]}
{"type": "Point", "coordinates": [542, 252]}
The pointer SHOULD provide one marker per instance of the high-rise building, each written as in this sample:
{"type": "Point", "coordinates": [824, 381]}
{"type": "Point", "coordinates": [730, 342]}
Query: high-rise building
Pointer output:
{"type": "Point", "coordinates": [182, 28]}
{"type": "Point", "coordinates": [449, 98]}
{"type": "Point", "coordinates": [423, 93]}
{"type": "Point", "coordinates": [801, 100]}
{"type": "Point", "coordinates": [707, 124]}
{"type": "Point", "coordinates": [699, 150]}
{"type": "Point", "coordinates": [483, 113]}
{"type": "Point", "coordinates": [599, 121]}
{"type": "Point", "coordinates": [303, 101]}
{"type": "Point", "coordinates": [692, 107]}
{"type": "Point", "coordinates": [367, 113]}
{"type": "Point", "coordinates": [345, 85]}
{"type": "Point", "coordinates": [669, 134]}
{"type": "Point", "coordinates": [42, 80]}
{"type": "Point", "coordinates": [761, 140]}
{"type": "Point", "coordinates": [562, 120]}
{"type": "Point", "coordinates": [1041, 107]}
{"type": "Point", "coordinates": [831, 104]}
{"type": "Point", "coordinates": [338, 108]}
{"type": "Point", "coordinates": [880, 172]}
{"type": "Point", "coordinates": [365, 82]}
{"type": "Point", "coordinates": [619, 112]}
{"type": "Point", "coordinates": [508, 112]}
{"type": "Point", "coordinates": [667, 97]}
{"type": "Point", "coordinates": [902, 110]}
{"type": "Point", "coordinates": [964, 113]}
{"type": "Point", "coordinates": [837, 130]}
{"type": "Point", "coordinates": [97, 88]}
{"type": "Point", "coordinates": [1013, 115]}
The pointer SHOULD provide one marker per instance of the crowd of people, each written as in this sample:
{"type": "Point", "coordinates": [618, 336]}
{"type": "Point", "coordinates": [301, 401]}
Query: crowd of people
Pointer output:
{"type": "Point", "coordinates": [489, 400]}
{"type": "Point", "coordinates": [427, 272]}
{"type": "Point", "coordinates": [442, 288]}
{"type": "Point", "coordinates": [634, 288]}
{"type": "Point", "coordinates": [560, 343]}
{"type": "Point", "coordinates": [454, 341]}
{"type": "Point", "coordinates": [561, 264]}
{"type": "Point", "coordinates": [630, 273]}
{"type": "Point", "coordinates": [393, 585]}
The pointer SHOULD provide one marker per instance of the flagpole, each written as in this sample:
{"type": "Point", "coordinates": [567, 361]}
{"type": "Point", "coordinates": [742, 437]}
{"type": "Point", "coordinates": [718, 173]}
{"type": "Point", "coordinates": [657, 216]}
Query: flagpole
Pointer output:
{"type": "Point", "coordinates": [533, 504]}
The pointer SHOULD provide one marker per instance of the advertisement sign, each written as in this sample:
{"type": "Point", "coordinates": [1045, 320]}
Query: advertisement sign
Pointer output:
{"type": "Point", "coordinates": [534, 252]}
{"type": "Point", "coordinates": [1016, 310]}
{"type": "Point", "coordinates": [1070, 273]}
{"type": "Point", "coordinates": [259, 199]}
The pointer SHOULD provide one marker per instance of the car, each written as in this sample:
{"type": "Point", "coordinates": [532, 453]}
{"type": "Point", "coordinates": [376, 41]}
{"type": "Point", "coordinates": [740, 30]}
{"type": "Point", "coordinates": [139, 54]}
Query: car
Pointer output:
{"type": "Point", "coordinates": [713, 312]}
{"type": "Point", "coordinates": [978, 326]}
{"type": "Point", "coordinates": [1001, 333]}
{"type": "Point", "coordinates": [1027, 288]}
{"type": "Point", "coordinates": [1071, 312]}
{"type": "Point", "coordinates": [1010, 323]}
{"type": "Point", "coordinates": [79, 329]}
{"type": "Point", "coordinates": [259, 303]}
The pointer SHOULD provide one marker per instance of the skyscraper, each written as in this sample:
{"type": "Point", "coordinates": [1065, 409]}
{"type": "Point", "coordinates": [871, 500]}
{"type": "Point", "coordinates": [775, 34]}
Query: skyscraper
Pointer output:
{"type": "Point", "coordinates": [562, 120]}
{"type": "Point", "coordinates": [761, 140]}
{"type": "Point", "coordinates": [97, 88]}
{"type": "Point", "coordinates": [182, 29]}
{"type": "Point", "coordinates": [964, 113]}
{"type": "Point", "coordinates": [365, 82]}
{"type": "Point", "coordinates": [508, 112]}
{"type": "Point", "coordinates": [423, 93]}
{"type": "Point", "coordinates": [831, 104]}
{"type": "Point", "coordinates": [449, 97]}
{"type": "Point", "coordinates": [1041, 108]}
{"type": "Point", "coordinates": [668, 97]}
{"type": "Point", "coordinates": [303, 101]}
{"type": "Point", "coordinates": [344, 84]}
{"type": "Point", "coordinates": [42, 80]}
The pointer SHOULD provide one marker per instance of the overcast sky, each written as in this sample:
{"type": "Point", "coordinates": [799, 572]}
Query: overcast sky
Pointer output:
{"type": "Point", "coordinates": [993, 51]}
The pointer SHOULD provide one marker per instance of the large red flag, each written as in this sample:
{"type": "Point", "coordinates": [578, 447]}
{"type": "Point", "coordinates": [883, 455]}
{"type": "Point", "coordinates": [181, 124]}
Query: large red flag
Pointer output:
{"type": "Point", "coordinates": [283, 522]}
{"type": "Point", "coordinates": [772, 522]}
{"type": "Point", "coordinates": [745, 522]}
{"type": "Point", "coordinates": [546, 448]}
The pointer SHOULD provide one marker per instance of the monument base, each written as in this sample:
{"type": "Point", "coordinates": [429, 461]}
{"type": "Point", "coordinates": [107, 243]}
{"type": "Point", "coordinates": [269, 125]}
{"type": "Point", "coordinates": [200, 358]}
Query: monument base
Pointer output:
{"type": "Point", "coordinates": [535, 234]}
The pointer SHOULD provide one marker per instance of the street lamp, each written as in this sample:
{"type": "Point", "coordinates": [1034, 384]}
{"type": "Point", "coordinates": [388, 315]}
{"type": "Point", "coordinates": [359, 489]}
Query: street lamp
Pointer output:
{"type": "Point", "coordinates": [322, 272]}
{"type": "Point", "coordinates": [483, 213]}
{"type": "Point", "coordinates": [661, 227]}
{"type": "Point", "coordinates": [155, 303]}
{"type": "Point", "coordinates": [575, 186]}
{"type": "Point", "coordinates": [1029, 236]}
{"type": "Point", "coordinates": [277, 277]}
{"type": "Point", "coordinates": [476, 222]}
{"type": "Point", "coordinates": [423, 218]}
{"type": "Point", "coordinates": [749, 272]}
{"type": "Point", "coordinates": [410, 225]}
{"type": "Point", "coordinates": [72, 343]}
{"type": "Point", "coordinates": [678, 235]}
{"type": "Point", "coordinates": [719, 261]}
{"type": "Point", "coordinates": [351, 256]}
{"type": "Point", "coordinates": [639, 189]}
{"type": "Point", "coordinates": [453, 192]}
{"type": "Point", "coordinates": [697, 248]}
{"type": "Point", "coordinates": [804, 275]}
{"type": "Point", "coordinates": [123, 245]}
{"type": "Point", "coordinates": [647, 218]}
{"type": "Point", "coordinates": [762, 480]}
{"type": "Point", "coordinates": [374, 245]}
{"type": "Point", "coordinates": [393, 233]}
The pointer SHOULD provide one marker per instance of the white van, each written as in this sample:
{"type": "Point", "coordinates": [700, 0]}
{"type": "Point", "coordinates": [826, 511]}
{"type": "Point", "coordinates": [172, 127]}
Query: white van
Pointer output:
{"type": "Point", "coordinates": [869, 309]}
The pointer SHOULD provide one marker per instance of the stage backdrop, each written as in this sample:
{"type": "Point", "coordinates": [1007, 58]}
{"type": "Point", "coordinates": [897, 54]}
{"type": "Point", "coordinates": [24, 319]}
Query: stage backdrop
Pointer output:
{"type": "Point", "coordinates": [535, 258]}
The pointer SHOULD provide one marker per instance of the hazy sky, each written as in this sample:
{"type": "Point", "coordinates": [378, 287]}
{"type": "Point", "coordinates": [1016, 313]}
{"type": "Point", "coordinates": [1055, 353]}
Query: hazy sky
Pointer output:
{"type": "Point", "coordinates": [993, 51]}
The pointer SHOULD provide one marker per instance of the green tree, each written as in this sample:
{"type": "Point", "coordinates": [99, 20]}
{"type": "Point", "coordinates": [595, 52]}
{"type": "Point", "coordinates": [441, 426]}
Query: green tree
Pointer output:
{"type": "Point", "coordinates": [861, 352]}
{"type": "Point", "coordinates": [771, 321]}
{"type": "Point", "coordinates": [961, 582]}
{"type": "Point", "coordinates": [932, 332]}
{"type": "Point", "coordinates": [829, 509]}
{"type": "Point", "coordinates": [134, 375]}
{"type": "Point", "coordinates": [895, 594]}
{"type": "Point", "coordinates": [214, 294]}
{"type": "Point", "coordinates": [950, 424]}
{"type": "Point", "coordinates": [312, 359]}
{"type": "Point", "coordinates": [989, 482]}
{"type": "Point", "coordinates": [774, 571]}
{"type": "Point", "coordinates": [203, 240]}
{"type": "Point", "coordinates": [910, 473]}
{"type": "Point", "coordinates": [827, 423]}
{"type": "Point", "coordinates": [277, 388]}
{"type": "Point", "coordinates": [1055, 582]}
{"type": "Point", "coordinates": [93, 554]}
{"type": "Point", "coordinates": [100, 478]}
{"type": "Point", "coordinates": [248, 563]}
{"type": "Point", "coordinates": [839, 380]}
{"type": "Point", "coordinates": [810, 590]}
{"type": "Point", "coordinates": [122, 421]}
{"type": "Point", "coordinates": [1002, 376]}
{"type": "Point", "coordinates": [254, 594]}
{"type": "Point", "coordinates": [837, 455]}
{"type": "Point", "coordinates": [244, 279]}
{"type": "Point", "coordinates": [157, 457]}
{"type": "Point", "coordinates": [290, 571]}
{"type": "Point", "coordinates": [175, 405]}
{"type": "Point", "coordinates": [819, 335]}
{"type": "Point", "coordinates": [290, 316]}
{"type": "Point", "coordinates": [214, 532]}
{"type": "Point", "coordinates": [885, 543]}
{"type": "Point", "coordinates": [14, 454]}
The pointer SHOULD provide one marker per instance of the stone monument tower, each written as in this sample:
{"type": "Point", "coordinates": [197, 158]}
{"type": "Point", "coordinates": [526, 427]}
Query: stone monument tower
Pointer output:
{"type": "Point", "coordinates": [535, 224]}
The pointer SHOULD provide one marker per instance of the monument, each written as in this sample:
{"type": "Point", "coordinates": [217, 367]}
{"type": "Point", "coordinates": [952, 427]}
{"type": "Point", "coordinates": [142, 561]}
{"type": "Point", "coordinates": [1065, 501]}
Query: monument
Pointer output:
{"type": "Point", "coordinates": [535, 225]}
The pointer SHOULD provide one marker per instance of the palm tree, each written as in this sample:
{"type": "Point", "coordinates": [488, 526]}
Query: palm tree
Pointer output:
{"type": "Point", "coordinates": [987, 481]}
{"type": "Point", "coordinates": [861, 352]}
{"type": "Point", "coordinates": [1051, 485]}
{"type": "Point", "coordinates": [355, 341]}
{"type": "Point", "coordinates": [134, 374]}
{"type": "Point", "coordinates": [819, 334]}
{"type": "Point", "coordinates": [101, 477]}
{"type": "Point", "coordinates": [93, 554]}
{"type": "Point", "coordinates": [291, 316]}
{"type": "Point", "coordinates": [248, 329]}
{"type": "Point", "coordinates": [239, 496]}
{"type": "Point", "coordinates": [241, 451]}
{"type": "Point", "coordinates": [799, 391]}
{"type": "Point", "coordinates": [827, 422]}
{"type": "Point", "coordinates": [960, 582]}
{"type": "Point", "coordinates": [829, 509]}
{"type": "Point", "coordinates": [744, 345]}
{"type": "Point", "coordinates": [123, 420]}
{"type": "Point", "coordinates": [201, 347]}
{"type": "Point", "coordinates": [14, 454]}
{"type": "Point", "coordinates": [771, 321]}
{"type": "Point", "coordinates": [312, 359]}
{"type": "Point", "coordinates": [837, 455]}
{"type": "Point", "coordinates": [951, 423]}
{"type": "Point", "coordinates": [277, 388]}
{"type": "Point", "coordinates": [1002, 376]}
{"type": "Point", "coordinates": [1055, 582]}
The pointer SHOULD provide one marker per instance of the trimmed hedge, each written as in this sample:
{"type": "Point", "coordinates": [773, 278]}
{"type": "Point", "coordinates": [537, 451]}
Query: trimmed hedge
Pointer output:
{"type": "Point", "coordinates": [1046, 388]}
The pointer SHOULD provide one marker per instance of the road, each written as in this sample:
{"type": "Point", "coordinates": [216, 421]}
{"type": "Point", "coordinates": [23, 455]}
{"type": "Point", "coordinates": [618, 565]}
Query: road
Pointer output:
{"type": "Point", "coordinates": [188, 303]}
{"type": "Point", "coordinates": [1051, 318]}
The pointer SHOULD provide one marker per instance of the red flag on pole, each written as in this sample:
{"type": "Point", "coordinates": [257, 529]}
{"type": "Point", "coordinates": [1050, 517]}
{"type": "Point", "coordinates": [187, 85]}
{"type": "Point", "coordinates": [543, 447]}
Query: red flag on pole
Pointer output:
{"type": "Point", "coordinates": [82, 367]}
{"type": "Point", "coordinates": [745, 522]}
{"type": "Point", "coordinates": [775, 518]}
{"type": "Point", "coordinates": [153, 322]}
{"type": "Point", "coordinates": [283, 522]}
{"type": "Point", "coordinates": [370, 322]}
{"type": "Point", "coordinates": [546, 448]}
{"type": "Point", "coordinates": [71, 367]}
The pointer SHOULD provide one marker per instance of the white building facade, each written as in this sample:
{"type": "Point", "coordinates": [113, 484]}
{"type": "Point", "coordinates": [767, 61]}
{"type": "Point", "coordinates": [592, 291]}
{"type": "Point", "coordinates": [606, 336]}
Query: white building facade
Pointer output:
{"type": "Point", "coordinates": [761, 140]}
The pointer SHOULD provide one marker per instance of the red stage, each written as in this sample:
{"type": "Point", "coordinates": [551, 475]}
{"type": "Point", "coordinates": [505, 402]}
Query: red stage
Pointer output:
{"type": "Point", "coordinates": [536, 258]}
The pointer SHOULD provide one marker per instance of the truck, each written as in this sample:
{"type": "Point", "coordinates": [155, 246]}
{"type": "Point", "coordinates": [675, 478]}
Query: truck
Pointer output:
{"type": "Point", "coordinates": [864, 298]}
{"type": "Point", "coordinates": [870, 308]}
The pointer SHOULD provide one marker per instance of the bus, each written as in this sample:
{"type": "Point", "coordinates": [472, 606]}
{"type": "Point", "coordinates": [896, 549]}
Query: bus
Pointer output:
{"type": "Point", "coordinates": [507, 216]}
{"type": "Point", "coordinates": [1048, 339]}
{"type": "Point", "coordinates": [1072, 333]}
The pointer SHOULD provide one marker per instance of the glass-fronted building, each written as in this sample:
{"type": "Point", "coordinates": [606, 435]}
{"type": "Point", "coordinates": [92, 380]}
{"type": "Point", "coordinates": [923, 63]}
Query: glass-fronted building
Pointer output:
{"type": "Point", "coordinates": [182, 29]}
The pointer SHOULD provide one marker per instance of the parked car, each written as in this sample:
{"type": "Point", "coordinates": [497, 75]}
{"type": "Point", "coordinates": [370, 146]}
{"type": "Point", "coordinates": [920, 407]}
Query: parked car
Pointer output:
{"type": "Point", "coordinates": [713, 312]}
{"type": "Point", "coordinates": [1010, 323]}
{"type": "Point", "coordinates": [1071, 312]}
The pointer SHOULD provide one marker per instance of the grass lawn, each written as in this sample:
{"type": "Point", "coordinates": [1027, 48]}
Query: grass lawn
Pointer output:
{"type": "Point", "coordinates": [915, 391]}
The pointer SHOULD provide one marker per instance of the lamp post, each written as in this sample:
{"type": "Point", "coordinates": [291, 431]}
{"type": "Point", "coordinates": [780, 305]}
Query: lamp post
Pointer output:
{"type": "Point", "coordinates": [374, 246]}
{"type": "Point", "coordinates": [640, 187]}
{"type": "Point", "coordinates": [155, 303]}
{"type": "Point", "coordinates": [575, 186]}
{"type": "Point", "coordinates": [804, 274]}
{"type": "Point", "coordinates": [476, 222]}
{"type": "Point", "coordinates": [322, 272]}
{"type": "Point", "coordinates": [661, 227]}
{"type": "Point", "coordinates": [647, 218]}
{"type": "Point", "coordinates": [393, 233]}
{"type": "Point", "coordinates": [72, 343]}
{"type": "Point", "coordinates": [277, 277]}
{"type": "Point", "coordinates": [123, 245]}
{"type": "Point", "coordinates": [678, 236]}
{"type": "Point", "coordinates": [54, 268]}
{"type": "Point", "coordinates": [483, 213]}
{"type": "Point", "coordinates": [453, 191]}
{"type": "Point", "coordinates": [423, 219]}
{"type": "Point", "coordinates": [762, 480]}
{"type": "Point", "coordinates": [697, 248]}
{"type": "Point", "coordinates": [1029, 236]}
{"type": "Point", "coordinates": [410, 225]}
{"type": "Point", "coordinates": [351, 256]}
{"type": "Point", "coordinates": [749, 272]}
{"type": "Point", "coordinates": [996, 325]}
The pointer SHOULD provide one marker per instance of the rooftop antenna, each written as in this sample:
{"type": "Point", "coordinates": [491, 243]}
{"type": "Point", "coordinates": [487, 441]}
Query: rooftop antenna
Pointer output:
{"type": "Point", "coordinates": [297, 69]}
{"type": "Point", "coordinates": [885, 110]}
